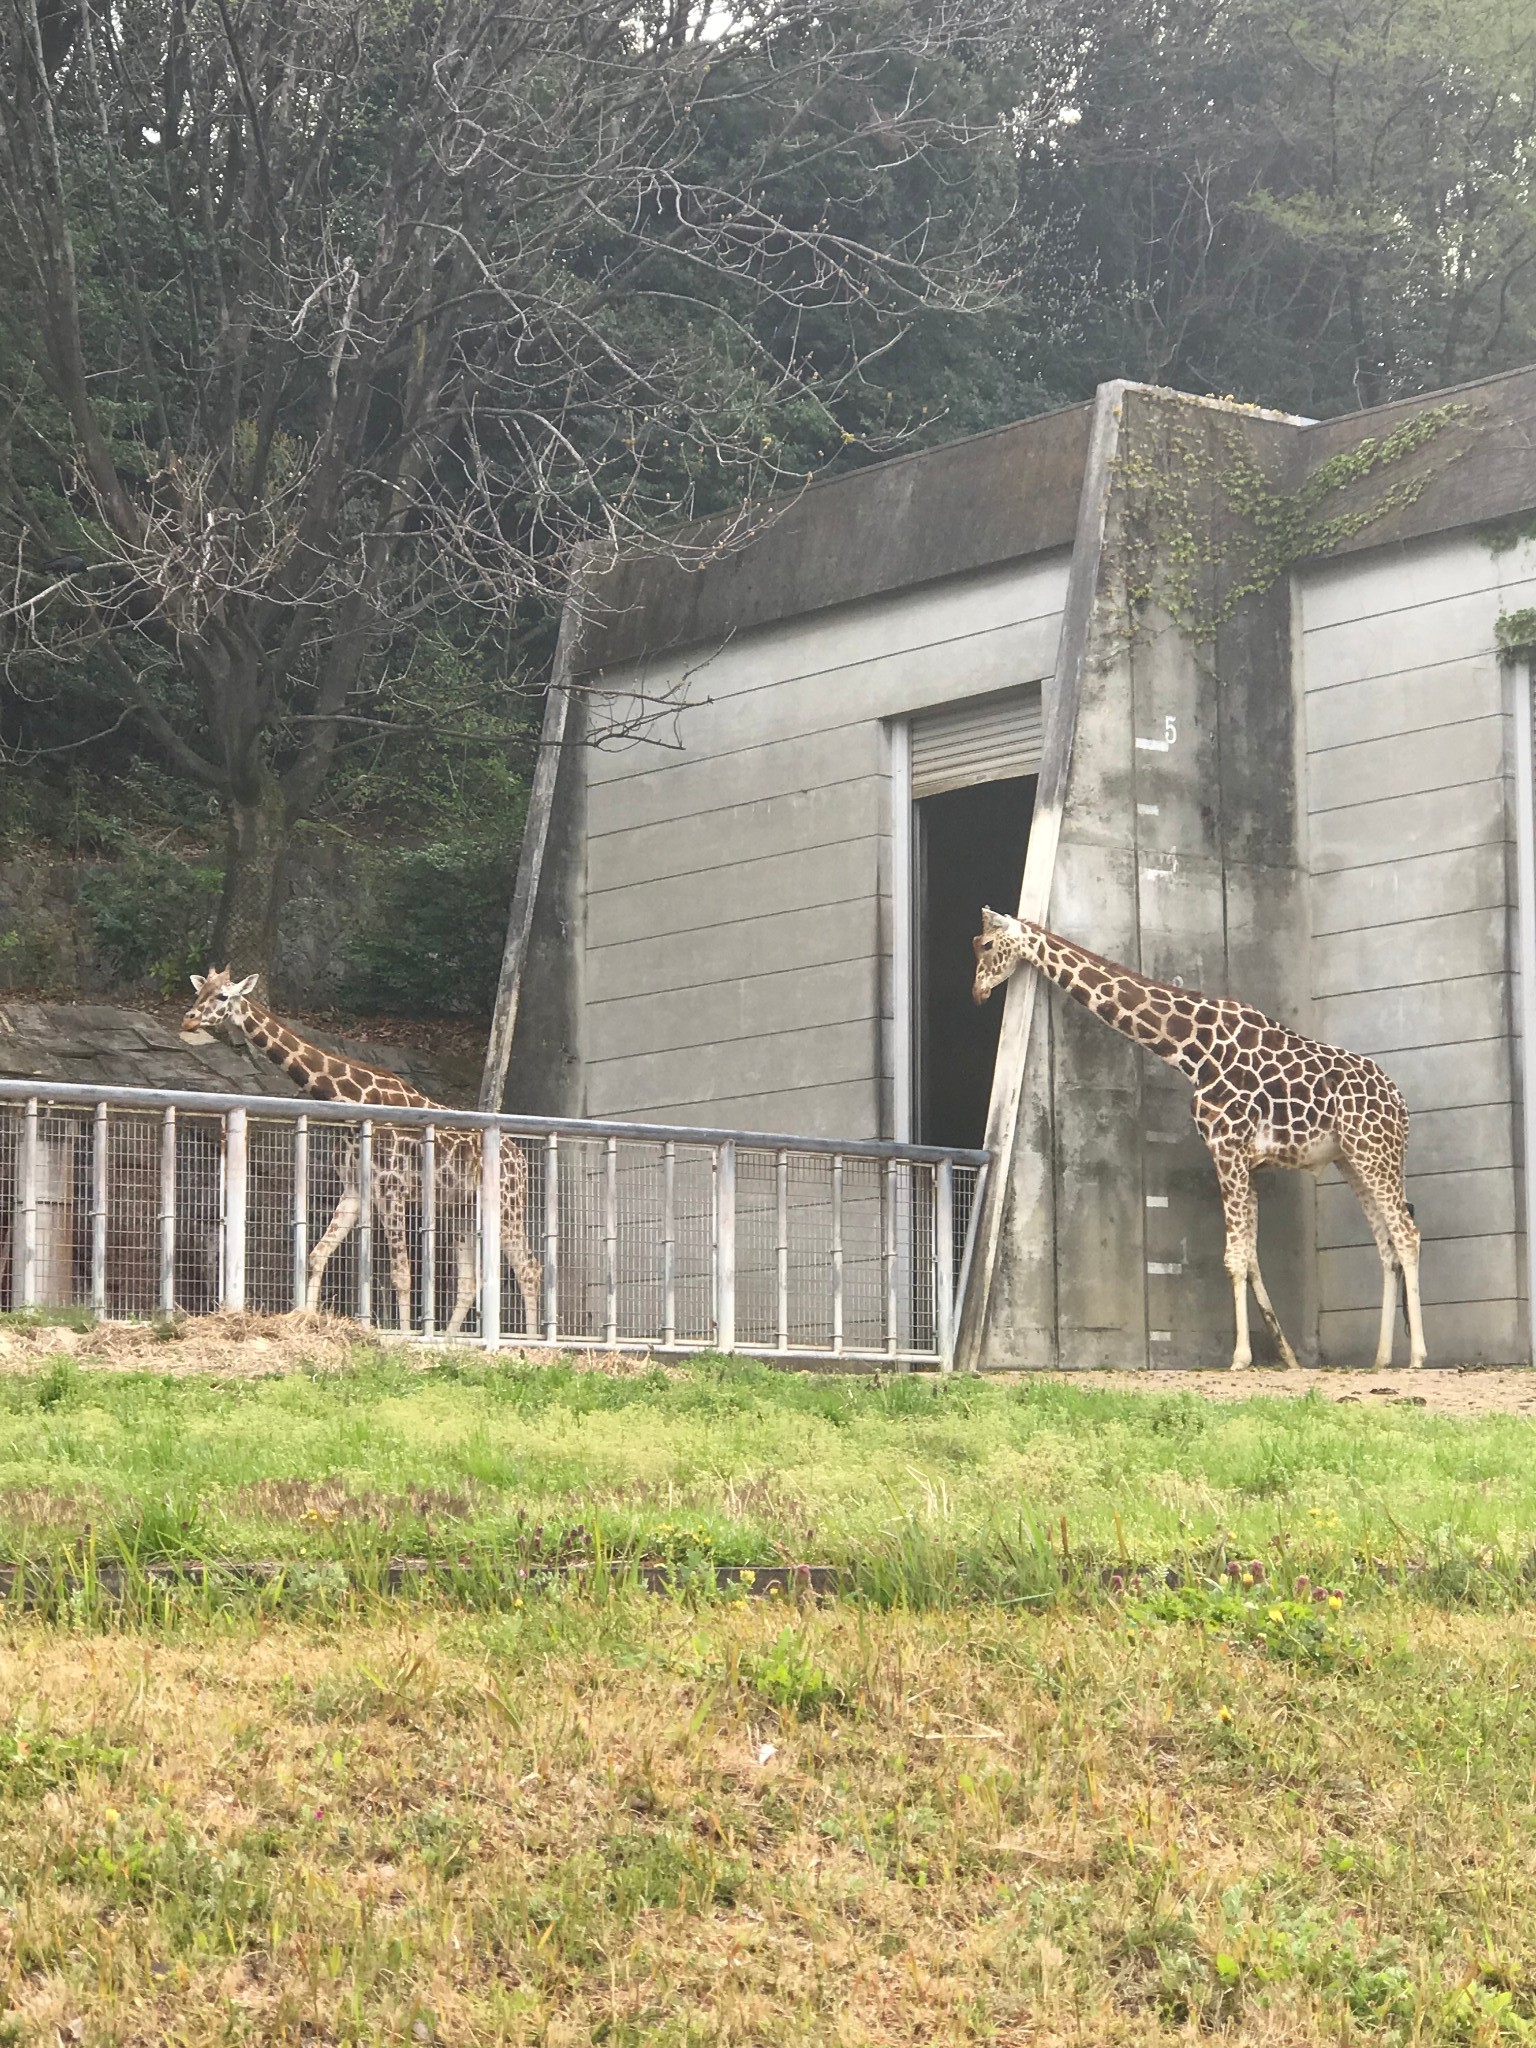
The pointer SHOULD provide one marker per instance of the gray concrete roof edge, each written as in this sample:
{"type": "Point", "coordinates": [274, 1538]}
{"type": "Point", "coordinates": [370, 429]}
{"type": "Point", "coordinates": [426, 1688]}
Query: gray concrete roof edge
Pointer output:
{"type": "Point", "coordinates": [1010, 492]}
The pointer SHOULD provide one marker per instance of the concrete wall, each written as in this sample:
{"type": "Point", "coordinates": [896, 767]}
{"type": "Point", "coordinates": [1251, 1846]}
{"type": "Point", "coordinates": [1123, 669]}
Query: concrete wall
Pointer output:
{"type": "Point", "coordinates": [1329, 835]}
{"type": "Point", "coordinates": [736, 921]}
{"type": "Point", "coordinates": [1179, 855]}
{"type": "Point", "coordinates": [1411, 830]}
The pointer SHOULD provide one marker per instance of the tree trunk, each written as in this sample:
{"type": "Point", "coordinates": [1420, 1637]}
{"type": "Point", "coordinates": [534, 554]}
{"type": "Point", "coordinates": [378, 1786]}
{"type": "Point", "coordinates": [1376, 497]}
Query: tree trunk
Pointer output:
{"type": "Point", "coordinates": [256, 843]}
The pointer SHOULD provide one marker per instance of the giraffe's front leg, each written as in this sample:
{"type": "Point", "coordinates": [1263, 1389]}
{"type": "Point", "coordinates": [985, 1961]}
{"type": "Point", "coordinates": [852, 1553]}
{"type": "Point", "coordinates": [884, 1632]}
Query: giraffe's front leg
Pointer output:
{"type": "Point", "coordinates": [1241, 1213]}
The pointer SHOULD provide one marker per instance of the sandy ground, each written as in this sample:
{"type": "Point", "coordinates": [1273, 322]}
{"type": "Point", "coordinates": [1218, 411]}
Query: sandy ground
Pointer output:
{"type": "Point", "coordinates": [1443, 1390]}
{"type": "Point", "coordinates": [250, 1347]}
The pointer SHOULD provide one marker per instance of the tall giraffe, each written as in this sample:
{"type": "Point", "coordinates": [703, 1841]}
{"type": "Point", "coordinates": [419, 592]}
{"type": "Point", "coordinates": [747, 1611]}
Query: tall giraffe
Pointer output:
{"type": "Point", "coordinates": [225, 1006]}
{"type": "Point", "coordinates": [1264, 1096]}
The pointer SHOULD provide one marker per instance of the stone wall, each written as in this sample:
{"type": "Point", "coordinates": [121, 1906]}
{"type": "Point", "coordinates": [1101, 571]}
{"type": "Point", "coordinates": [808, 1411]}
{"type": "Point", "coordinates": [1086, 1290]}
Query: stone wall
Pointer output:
{"type": "Point", "coordinates": [102, 1045]}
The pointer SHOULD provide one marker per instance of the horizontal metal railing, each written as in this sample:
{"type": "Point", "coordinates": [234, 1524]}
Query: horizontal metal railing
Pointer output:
{"type": "Point", "coordinates": [448, 1223]}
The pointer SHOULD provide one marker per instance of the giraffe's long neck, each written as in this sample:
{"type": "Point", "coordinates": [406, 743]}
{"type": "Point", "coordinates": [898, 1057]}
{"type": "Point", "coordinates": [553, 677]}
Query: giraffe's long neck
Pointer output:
{"type": "Point", "coordinates": [328, 1076]}
{"type": "Point", "coordinates": [1129, 1003]}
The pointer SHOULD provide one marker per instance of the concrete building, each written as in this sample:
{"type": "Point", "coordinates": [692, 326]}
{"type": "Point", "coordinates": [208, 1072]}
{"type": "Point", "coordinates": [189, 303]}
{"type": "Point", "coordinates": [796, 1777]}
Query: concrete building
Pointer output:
{"type": "Point", "coordinates": [1221, 694]}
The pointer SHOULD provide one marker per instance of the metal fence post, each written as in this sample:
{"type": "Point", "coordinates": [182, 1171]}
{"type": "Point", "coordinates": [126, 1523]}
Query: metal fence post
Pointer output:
{"type": "Point", "coordinates": [669, 1243]}
{"type": "Point", "coordinates": [429, 1230]}
{"type": "Point", "coordinates": [837, 1251]}
{"type": "Point", "coordinates": [490, 1237]}
{"type": "Point", "coordinates": [26, 1201]}
{"type": "Point", "coordinates": [99, 1211]}
{"type": "Point", "coordinates": [944, 1262]}
{"type": "Point", "coordinates": [301, 1212]}
{"type": "Point", "coordinates": [888, 1187]}
{"type": "Point", "coordinates": [781, 1249]}
{"type": "Point", "coordinates": [234, 1210]}
{"type": "Point", "coordinates": [365, 1223]}
{"type": "Point", "coordinates": [725, 1246]}
{"type": "Point", "coordinates": [168, 1212]}
{"type": "Point", "coordinates": [611, 1242]}
{"type": "Point", "coordinates": [551, 1238]}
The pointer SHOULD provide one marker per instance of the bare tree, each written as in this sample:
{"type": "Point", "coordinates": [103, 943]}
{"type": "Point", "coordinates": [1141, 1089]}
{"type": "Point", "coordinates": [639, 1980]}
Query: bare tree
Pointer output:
{"type": "Point", "coordinates": [330, 321]}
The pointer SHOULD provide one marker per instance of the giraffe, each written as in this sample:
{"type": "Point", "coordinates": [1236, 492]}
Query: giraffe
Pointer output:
{"type": "Point", "coordinates": [225, 1006]}
{"type": "Point", "coordinates": [1263, 1096]}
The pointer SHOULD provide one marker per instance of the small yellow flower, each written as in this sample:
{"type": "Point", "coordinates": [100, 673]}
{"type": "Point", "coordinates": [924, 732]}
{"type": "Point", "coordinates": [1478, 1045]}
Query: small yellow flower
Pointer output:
{"type": "Point", "coordinates": [1334, 1602]}
{"type": "Point", "coordinates": [1277, 1614]}
{"type": "Point", "coordinates": [1224, 1714]}
{"type": "Point", "coordinates": [111, 1816]}
{"type": "Point", "coordinates": [748, 1576]}
{"type": "Point", "coordinates": [1247, 1578]}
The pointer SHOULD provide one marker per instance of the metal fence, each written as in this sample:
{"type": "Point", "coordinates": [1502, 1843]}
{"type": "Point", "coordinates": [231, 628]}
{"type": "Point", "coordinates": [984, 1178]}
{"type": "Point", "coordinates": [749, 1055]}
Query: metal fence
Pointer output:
{"type": "Point", "coordinates": [139, 1202]}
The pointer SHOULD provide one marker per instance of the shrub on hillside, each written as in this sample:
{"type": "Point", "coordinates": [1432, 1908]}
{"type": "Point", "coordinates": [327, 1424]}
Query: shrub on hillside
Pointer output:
{"type": "Point", "coordinates": [150, 914]}
{"type": "Point", "coordinates": [432, 943]}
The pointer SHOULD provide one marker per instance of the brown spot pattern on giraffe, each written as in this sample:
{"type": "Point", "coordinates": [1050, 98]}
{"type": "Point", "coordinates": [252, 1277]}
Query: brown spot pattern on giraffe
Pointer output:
{"type": "Point", "coordinates": [224, 1004]}
{"type": "Point", "coordinates": [1298, 1102]}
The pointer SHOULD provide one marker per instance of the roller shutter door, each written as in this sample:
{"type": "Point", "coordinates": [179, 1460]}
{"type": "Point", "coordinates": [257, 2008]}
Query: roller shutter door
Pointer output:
{"type": "Point", "coordinates": [987, 739]}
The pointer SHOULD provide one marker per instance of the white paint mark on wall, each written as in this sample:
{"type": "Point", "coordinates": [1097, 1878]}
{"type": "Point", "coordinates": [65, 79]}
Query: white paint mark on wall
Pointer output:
{"type": "Point", "coordinates": [1161, 1336]}
{"type": "Point", "coordinates": [1147, 811]}
{"type": "Point", "coordinates": [1169, 739]}
{"type": "Point", "coordinates": [1167, 1270]}
{"type": "Point", "coordinates": [1157, 1201]}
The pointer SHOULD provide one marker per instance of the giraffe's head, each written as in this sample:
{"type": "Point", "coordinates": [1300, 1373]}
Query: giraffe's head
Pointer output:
{"type": "Point", "coordinates": [220, 1003]}
{"type": "Point", "coordinates": [999, 948]}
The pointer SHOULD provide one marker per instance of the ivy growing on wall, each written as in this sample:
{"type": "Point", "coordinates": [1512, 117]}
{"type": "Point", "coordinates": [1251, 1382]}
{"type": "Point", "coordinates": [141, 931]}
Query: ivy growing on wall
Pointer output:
{"type": "Point", "coordinates": [1515, 632]}
{"type": "Point", "coordinates": [1206, 530]}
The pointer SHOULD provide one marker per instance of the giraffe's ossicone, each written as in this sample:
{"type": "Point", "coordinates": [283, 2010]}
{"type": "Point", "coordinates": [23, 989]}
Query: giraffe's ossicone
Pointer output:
{"type": "Point", "coordinates": [227, 1007]}
{"type": "Point", "coordinates": [1263, 1096]}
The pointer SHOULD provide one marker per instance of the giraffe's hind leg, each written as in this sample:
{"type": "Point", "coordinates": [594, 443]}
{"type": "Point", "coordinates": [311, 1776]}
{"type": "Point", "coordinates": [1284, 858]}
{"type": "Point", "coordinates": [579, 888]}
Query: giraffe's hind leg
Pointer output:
{"type": "Point", "coordinates": [1380, 1190]}
{"type": "Point", "coordinates": [1404, 1233]}
{"type": "Point", "coordinates": [392, 1215]}
{"type": "Point", "coordinates": [526, 1266]}
{"type": "Point", "coordinates": [1266, 1309]}
{"type": "Point", "coordinates": [463, 1300]}
{"type": "Point", "coordinates": [1377, 1223]}
{"type": "Point", "coordinates": [343, 1222]}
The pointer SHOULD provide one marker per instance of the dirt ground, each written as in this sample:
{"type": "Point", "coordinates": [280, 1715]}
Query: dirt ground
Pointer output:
{"type": "Point", "coordinates": [1443, 1390]}
{"type": "Point", "coordinates": [250, 1347]}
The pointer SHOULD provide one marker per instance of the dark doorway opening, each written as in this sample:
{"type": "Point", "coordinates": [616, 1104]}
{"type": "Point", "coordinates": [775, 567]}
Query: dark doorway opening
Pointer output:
{"type": "Point", "coordinates": [970, 851]}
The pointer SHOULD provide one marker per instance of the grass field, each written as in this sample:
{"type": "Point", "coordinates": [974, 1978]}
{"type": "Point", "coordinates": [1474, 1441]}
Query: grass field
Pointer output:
{"type": "Point", "coordinates": [1002, 1794]}
{"type": "Point", "coordinates": [911, 1481]}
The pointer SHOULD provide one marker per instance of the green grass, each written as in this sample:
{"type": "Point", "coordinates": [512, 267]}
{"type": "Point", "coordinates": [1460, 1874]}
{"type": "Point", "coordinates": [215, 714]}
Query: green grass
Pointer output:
{"type": "Point", "coordinates": [636, 1821]}
{"type": "Point", "coordinates": [1020, 1791]}
{"type": "Point", "coordinates": [930, 1488]}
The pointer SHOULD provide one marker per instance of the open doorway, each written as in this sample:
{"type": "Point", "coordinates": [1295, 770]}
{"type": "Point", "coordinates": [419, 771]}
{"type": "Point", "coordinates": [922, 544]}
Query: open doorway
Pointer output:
{"type": "Point", "coordinates": [970, 851]}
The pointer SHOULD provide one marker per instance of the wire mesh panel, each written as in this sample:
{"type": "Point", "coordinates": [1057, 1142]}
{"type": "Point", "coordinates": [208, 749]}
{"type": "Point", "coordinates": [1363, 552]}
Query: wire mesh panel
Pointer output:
{"type": "Point", "coordinates": [447, 1223]}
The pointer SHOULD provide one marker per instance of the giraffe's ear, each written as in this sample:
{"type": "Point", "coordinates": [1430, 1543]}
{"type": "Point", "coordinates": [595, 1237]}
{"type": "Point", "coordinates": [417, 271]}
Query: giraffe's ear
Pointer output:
{"type": "Point", "coordinates": [990, 921]}
{"type": "Point", "coordinates": [196, 981]}
{"type": "Point", "coordinates": [243, 988]}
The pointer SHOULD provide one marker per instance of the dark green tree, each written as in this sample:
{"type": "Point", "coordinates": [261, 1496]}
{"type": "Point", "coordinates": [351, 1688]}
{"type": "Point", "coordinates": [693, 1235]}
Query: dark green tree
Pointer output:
{"type": "Point", "coordinates": [333, 330]}
{"type": "Point", "coordinates": [1318, 205]}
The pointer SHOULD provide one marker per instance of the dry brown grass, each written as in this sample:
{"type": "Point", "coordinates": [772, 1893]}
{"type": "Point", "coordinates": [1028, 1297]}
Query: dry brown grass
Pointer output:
{"type": "Point", "coordinates": [256, 1346]}
{"type": "Point", "coordinates": [610, 1823]}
